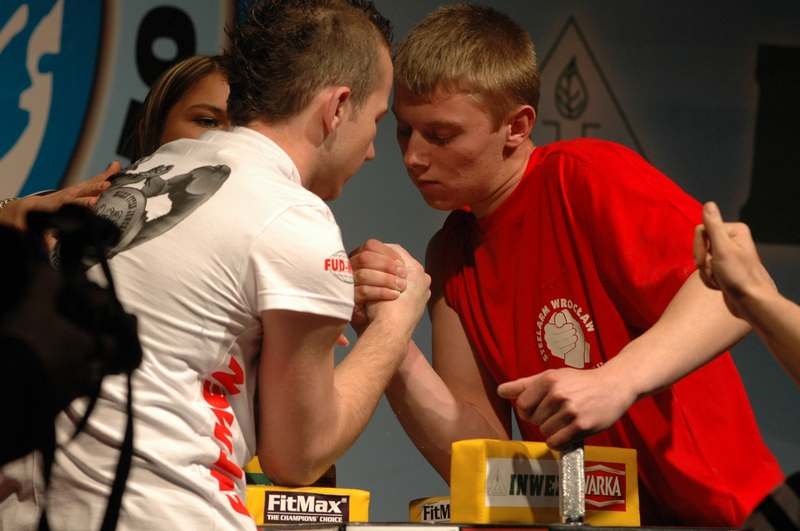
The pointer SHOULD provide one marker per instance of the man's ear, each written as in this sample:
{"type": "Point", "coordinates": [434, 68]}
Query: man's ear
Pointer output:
{"type": "Point", "coordinates": [519, 125]}
{"type": "Point", "coordinates": [337, 107]}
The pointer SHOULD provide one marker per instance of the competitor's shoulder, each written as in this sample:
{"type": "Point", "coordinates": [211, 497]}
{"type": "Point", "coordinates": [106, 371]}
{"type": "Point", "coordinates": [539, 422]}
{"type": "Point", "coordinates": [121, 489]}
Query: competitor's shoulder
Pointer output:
{"type": "Point", "coordinates": [456, 221]}
{"type": "Point", "coordinates": [588, 150]}
{"type": "Point", "coordinates": [456, 228]}
{"type": "Point", "coordinates": [435, 253]}
{"type": "Point", "coordinates": [298, 208]}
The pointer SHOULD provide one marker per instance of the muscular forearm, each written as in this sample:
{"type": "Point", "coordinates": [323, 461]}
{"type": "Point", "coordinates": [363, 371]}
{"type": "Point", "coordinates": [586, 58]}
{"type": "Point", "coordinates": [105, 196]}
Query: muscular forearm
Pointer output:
{"type": "Point", "coordinates": [693, 329]}
{"type": "Point", "coordinates": [318, 420]}
{"type": "Point", "coordinates": [430, 413]}
{"type": "Point", "coordinates": [362, 377]}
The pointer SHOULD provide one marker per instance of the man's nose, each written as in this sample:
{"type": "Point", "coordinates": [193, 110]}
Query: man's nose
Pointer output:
{"type": "Point", "coordinates": [415, 154]}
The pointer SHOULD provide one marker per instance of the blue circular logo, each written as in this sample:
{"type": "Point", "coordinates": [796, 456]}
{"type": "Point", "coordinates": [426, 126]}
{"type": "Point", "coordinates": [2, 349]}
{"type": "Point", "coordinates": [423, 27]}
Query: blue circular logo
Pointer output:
{"type": "Point", "coordinates": [48, 59]}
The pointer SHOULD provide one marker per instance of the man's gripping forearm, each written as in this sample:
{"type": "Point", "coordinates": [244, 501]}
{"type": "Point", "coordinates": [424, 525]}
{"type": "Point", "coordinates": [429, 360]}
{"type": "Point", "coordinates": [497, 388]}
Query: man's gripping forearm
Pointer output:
{"type": "Point", "coordinates": [432, 416]}
{"type": "Point", "coordinates": [311, 413]}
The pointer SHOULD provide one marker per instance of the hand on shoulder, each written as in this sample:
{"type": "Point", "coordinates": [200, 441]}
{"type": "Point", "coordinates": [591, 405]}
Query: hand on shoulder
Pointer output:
{"type": "Point", "coordinates": [83, 193]}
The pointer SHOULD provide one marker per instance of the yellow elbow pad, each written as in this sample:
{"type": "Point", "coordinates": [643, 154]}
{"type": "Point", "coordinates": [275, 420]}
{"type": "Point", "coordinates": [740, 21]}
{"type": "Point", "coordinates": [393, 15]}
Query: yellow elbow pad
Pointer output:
{"type": "Point", "coordinates": [517, 482]}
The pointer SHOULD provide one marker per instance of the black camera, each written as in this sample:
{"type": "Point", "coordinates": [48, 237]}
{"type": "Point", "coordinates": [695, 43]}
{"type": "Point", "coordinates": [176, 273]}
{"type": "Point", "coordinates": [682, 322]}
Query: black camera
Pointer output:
{"type": "Point", "coordinates": [60, 333]}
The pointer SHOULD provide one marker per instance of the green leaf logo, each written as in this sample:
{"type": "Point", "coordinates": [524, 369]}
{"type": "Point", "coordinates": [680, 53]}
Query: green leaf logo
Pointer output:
{"type": "Point", "coordinates": [571, 94]}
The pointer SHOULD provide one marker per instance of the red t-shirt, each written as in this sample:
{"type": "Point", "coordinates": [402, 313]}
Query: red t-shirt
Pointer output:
{"type": "Point", "coordinates": [596, 239]}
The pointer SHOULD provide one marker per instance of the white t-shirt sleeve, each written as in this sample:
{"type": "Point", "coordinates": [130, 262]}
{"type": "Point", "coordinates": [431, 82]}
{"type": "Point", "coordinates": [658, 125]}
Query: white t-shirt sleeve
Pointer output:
{"type": "Point", "coordinates": [299, 264]}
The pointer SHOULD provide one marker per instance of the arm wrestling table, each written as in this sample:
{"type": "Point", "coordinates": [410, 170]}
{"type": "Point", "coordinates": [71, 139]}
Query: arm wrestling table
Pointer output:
{"type": "Point", "coordinates": [470, 527]}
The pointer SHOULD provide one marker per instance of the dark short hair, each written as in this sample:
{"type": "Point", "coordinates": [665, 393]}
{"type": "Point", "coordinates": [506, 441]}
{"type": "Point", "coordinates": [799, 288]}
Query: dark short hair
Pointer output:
{"type": "Point", "coordinates": [287, 50]}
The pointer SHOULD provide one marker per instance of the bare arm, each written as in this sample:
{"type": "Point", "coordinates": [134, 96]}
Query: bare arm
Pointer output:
{"type": "Point", "coordinates": [83, 193]}
{"type": "Point", "coordinates": [456, 400]}
{"type": "Point", "coordinates": [311, 412]}
{"type": "Point", "coordinates": [729, 262]}
{"type": "Point", "coordinates": [776, 319]}
{"type": "Point", "coordinates": [569, 405]}
{"type": "Point", "coordinates": [695, 327]}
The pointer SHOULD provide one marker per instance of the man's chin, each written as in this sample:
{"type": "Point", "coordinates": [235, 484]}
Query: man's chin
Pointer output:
{"type": "Point", "coordinates": [436, 200]}
{"type": "Point", "coordinates": [328, 192]}
{"type": "Point", "coordinates": [331, 195]}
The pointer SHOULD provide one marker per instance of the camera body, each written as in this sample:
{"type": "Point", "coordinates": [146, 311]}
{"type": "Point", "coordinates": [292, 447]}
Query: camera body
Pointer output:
{"type": "Point", "coordinates": [60, 333]}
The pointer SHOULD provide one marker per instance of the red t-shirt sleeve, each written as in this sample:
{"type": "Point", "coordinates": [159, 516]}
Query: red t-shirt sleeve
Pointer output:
{"type": "Point", "coordinates": [638, 224]}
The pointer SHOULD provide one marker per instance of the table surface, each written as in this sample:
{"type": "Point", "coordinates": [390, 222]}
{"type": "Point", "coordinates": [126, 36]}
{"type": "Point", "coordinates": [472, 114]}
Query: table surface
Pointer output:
{"type": "Point", "coordinates": [404, 526]}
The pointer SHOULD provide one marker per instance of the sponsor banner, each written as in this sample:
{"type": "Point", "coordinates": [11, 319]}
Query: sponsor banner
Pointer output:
{"type": "Point", "coordinates": [275, 505]}
{"type": "Point", "coordinates": [535, 483]}
{"type": "Point", "coordinates": [305, 508]}
{"type": "Point", "coordinates": [75, 73]}
{"type": "Point", "coordinates": [605, 486]}
{"type": "Point", "coordinates": [436, 512]}
{"type": "Point", "coordinates": [518, 482]}
{"type": "Point", "coordinates": [432, 510]}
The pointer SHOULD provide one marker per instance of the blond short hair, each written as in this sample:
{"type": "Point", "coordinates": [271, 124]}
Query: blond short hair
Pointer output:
{"type": "Point", "coordinates": [472, 49]}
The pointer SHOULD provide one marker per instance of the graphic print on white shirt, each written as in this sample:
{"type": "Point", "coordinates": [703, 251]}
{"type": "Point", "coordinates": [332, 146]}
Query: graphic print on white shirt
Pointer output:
{"type": "Point", "coordinates": [146, 204]}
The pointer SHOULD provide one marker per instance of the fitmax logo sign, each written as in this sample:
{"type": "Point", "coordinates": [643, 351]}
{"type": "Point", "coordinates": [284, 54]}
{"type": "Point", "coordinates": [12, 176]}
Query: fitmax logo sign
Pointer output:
{"type": "Point", "coordinates": [305, 508]}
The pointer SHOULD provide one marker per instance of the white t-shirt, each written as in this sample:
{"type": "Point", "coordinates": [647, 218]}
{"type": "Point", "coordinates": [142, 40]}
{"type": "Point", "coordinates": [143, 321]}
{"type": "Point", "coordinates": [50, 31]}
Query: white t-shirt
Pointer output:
{"type": "Point", "coordinates": [215, 231]}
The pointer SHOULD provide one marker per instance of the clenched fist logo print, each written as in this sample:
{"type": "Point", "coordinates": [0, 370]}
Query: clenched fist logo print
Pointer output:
{"type": "Point", "coordinates": [564, 338]}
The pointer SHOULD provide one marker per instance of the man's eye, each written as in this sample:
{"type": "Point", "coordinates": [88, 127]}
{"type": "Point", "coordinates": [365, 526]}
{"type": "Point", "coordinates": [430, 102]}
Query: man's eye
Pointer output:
{"type": "Point", "coordinates": [439, 139]}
